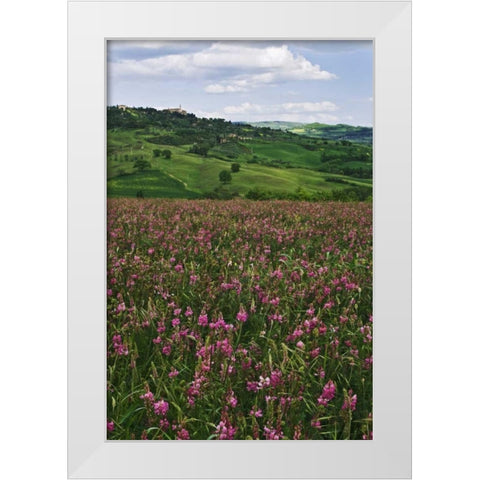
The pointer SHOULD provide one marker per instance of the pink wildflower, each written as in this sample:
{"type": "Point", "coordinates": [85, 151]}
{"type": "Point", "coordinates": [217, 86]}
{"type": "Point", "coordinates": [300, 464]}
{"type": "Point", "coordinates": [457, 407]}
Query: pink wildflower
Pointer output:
{"type": "Point", "coordinates": [232, 400]}
{"type": "Point", "coordinates": [183, 434]}
{"type": "Point", "coordinates": [316, 424]}
{"type": "Point", "coordinates": [164, 423]}
{"type": "Point", "coordinates": [315, 353]}
{"type": "Point", "coordinates": [350, 402]}
{"type": "Point", "coordinates": [327, 394]}
{"type": "Point", "coordinates": [276, 377]}
{"type": "Point", "coordinates": [256, 412]}
{"type": "Point", "coordinates": [329, 390]}
{"type": "Point", "coordinates": [225, 431]}
{"type": "Point", "coordinates": [242, 315]}
{"type": "Point", "coordinates": [148, 397]}
{"type": "Point", "coordinates": [272, 433]}
{"type": "Point", "coordinates": [119, 347]}
{"type": "Point", "coordinates": [161, 407]}
{"type": "Point", "coordinates": [252, 386]}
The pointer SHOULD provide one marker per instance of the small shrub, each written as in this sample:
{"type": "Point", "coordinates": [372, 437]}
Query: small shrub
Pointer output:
{"type": "Point", "coordinates": [225, 176]}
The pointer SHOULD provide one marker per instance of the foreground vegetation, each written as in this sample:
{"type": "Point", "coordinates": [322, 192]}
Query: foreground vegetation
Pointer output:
{"type": "Point", "coordinates": [239, 320]}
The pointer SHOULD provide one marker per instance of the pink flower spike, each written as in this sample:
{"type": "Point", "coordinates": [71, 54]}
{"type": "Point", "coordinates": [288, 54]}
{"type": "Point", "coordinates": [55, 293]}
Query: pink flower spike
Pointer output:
{"type": "Point", "coordinates": [242, 315]}
{"type": "Point", "coordinates": [183, 434]}
{"type": "Point", "coordinates": [161, 407]}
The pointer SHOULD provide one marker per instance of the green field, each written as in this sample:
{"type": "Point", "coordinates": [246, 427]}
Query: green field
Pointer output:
{"type": "Point", "coordinates": [153, 183]}
{"type": "Point", "coordinates": [279, 162]}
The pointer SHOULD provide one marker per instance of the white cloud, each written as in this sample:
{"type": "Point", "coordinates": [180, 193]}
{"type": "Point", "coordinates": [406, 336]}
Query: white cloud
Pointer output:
{"type": "Point", "coordinates": [302, 118]}
{"type": "Point", "coordinates": [157, 66]}
{"type": "Point", "coordinates": [290, 107]}
{"type": "Point", "coordinates": [324, 106]}
{"type": "Point", "coordinates": [275, 64]}
{"type": "Point", "coordinates": [306, 112]}
{"type": "Point", "coordinates": [232, 88]}
{"type": "Point", "coordinates": [236, 67]}
{"type": "Point", "coordinates": [206, 114]}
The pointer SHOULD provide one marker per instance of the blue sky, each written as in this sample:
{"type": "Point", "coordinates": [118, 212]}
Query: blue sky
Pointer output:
{"type": "Point", "coordinates": [316, 81]}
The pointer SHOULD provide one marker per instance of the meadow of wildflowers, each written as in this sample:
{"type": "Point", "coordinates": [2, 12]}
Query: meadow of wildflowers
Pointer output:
{"type": "Point", "coordinates": [239, 320]}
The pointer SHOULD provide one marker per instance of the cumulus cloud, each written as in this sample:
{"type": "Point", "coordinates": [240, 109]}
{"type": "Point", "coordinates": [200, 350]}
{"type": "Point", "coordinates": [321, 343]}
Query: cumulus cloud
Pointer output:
{"type": "Point", "coordinates": [228, 67]}
{"type": "Point", "coordinates": [234, 87]}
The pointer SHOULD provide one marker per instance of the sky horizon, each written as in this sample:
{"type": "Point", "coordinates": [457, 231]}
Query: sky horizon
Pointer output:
{"type": "Point", "coordinates": [249, 81]}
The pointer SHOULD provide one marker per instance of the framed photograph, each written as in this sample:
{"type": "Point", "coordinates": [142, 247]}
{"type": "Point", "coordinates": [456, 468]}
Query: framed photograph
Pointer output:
{"type": "Point", "coordinates": [239, 239]}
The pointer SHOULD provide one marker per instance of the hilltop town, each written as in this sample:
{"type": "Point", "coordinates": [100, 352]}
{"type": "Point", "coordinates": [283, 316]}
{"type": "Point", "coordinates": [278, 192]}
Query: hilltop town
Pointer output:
{"type": "Point", "coordinates": [179, 110]}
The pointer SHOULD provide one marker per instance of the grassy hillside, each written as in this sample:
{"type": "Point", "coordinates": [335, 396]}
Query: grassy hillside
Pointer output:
{"type": "Point", "coordinates": [276, 162]}
{"type": "Point", "coordinates": [152, 183]}
{"type": "Point", "coordinates": [340, 132]}
{"type": "Point", "coordinates": [335, 132]}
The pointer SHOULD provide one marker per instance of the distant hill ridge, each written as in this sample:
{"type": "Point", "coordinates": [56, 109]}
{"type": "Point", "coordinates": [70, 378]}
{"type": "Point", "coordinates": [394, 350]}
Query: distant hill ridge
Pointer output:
{"type": "Point", "coordinates": [340, 131]}
{"type": "Point", "coordinates": [138, 117]}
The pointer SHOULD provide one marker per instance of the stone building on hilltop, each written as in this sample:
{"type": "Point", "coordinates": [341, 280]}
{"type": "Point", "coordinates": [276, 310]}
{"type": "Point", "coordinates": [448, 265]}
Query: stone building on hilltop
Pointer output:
{"type": "Point", "coordinates": [176, 110]}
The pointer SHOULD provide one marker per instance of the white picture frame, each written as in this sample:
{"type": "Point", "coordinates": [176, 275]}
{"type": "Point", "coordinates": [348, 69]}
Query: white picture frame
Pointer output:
{"type": "Point", "coordinates": [388, 24]}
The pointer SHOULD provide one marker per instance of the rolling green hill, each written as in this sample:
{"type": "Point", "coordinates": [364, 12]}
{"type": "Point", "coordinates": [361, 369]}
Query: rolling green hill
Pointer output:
{"type": "Point", "coordinates": [277, 125]}
{"type": "Point", "coordinates": [336, 132]}
{"type": "Point", "coordinates": [339, 132]}
{"type": "Point", "coordinates": [272, 163]}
